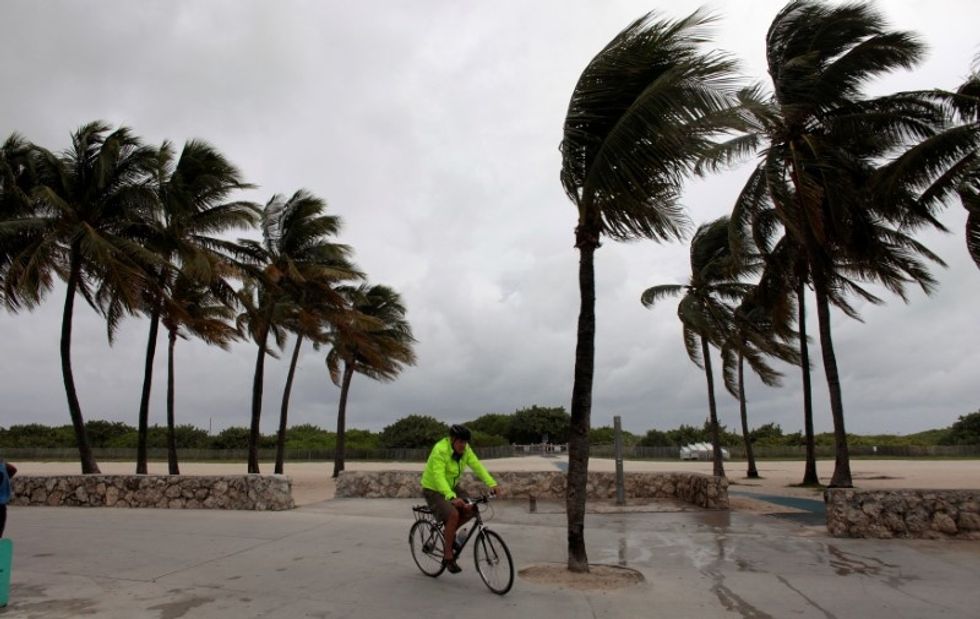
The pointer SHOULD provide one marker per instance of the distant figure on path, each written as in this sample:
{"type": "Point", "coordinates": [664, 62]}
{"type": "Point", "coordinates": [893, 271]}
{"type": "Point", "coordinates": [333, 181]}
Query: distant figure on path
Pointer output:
{"type": "Point", "coordinates": [442, 472]}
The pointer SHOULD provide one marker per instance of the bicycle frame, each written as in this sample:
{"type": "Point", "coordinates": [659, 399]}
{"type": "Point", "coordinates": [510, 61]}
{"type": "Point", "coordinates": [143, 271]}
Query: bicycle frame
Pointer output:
{"type": "Point", "coordinates": [477, 526]}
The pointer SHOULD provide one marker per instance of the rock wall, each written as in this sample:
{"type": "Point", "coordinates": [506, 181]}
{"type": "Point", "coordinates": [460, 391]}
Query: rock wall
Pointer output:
{"type": "Point", "coordinates": [928, 514]}
{"type": "Point", "coordinates": [702, 490]}
{"type": "Point", "coordinates": [252, 492]}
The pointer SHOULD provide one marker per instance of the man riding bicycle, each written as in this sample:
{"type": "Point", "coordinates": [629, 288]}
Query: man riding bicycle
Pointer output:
{"type": "Point", "coordinates": [439, 486]}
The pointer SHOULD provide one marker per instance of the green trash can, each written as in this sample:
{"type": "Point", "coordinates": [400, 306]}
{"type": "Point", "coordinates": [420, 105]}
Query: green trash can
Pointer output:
{"type": "Point", "coordinates": [6, 557]}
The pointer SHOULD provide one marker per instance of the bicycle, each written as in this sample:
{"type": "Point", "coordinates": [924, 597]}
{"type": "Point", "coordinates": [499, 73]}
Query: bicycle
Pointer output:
{"type": "Point", "coordinates": [490, 553]}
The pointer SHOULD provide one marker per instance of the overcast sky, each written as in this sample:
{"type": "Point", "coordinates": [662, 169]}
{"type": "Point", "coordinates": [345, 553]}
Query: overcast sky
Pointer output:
{"type": "Point", "coordinates": [432, 129]}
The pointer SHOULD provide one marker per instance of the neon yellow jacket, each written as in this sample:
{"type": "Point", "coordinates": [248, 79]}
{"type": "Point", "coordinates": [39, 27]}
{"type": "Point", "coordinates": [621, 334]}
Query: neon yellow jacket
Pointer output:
{"type": "Point", "coordinates": [442, 472]}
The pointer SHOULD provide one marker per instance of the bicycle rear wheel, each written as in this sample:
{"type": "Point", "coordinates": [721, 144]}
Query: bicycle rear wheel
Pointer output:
{"type": "Point", "coordinates": [493, 562]}
{"type": "Point", "coordinates": [425, 540]}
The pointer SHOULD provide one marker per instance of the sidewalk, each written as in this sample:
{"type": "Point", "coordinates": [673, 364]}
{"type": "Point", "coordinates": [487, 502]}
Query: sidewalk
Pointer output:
{"type": "Point", "coordinates": [350, 558]}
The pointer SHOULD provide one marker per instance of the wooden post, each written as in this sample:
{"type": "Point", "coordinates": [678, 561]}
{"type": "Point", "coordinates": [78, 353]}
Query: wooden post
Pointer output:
{"type": "Point", "coordinates": [618, 446]}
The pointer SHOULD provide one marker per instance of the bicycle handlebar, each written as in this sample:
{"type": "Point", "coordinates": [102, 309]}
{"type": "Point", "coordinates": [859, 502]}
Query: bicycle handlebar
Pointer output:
{"type": "Point", "coordinates": [483, 498]}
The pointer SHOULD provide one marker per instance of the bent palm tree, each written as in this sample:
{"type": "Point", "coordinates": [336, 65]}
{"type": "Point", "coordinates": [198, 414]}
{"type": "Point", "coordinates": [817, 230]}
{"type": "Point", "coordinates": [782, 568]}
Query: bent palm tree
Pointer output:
{"type": "Point", "coordinates": [755, 335]}
{"type": "Point", "coordinates": [824, 147]}
{"type": "Point", "coordinates": [642, 113]}
{"type": "Point", "coordinates": [295, 251]}
{"type": "Point", "coordinates": [92, 203]}
{"type": "Point", "coordinates": [374, 339]}
{"type": "Point", "coordinates": [704, 312]}
{"type": "Point", "coordinates": [202, 311]}
{"type": "Point", "coordinates": [192, 194]}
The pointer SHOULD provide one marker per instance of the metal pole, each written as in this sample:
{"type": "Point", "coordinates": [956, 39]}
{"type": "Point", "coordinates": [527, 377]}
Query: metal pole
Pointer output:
{"type": "Point", "coordinates": [618, 446]}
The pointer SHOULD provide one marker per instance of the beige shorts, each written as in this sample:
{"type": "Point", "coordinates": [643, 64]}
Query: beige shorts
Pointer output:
{"type": "Point", "coordinates": [440, 507]}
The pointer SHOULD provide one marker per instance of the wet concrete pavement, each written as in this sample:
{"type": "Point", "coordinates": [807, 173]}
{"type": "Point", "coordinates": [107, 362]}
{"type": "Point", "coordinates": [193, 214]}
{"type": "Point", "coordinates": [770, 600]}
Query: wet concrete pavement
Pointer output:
{"type": "Point", "coordinates": [350, 558]}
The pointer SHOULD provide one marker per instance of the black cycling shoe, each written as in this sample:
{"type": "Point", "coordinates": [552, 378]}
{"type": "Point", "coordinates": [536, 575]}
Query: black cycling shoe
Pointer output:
{"type": "Point", "coordinates": [452, 566]}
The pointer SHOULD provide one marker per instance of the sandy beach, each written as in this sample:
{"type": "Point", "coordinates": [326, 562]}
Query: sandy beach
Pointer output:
{"type": "Point", "coordinates": [312, 481]}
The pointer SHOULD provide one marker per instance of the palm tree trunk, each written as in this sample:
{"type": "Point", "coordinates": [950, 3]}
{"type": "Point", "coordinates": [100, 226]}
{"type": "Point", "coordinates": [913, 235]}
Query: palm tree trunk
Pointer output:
{"type": "Point", "coordinates": [284, 410]}
{"type": "Point", "coordinates": [144, 414]}
{"type": "Point", "coordinates": [810, 477]}
{"type": "Point", "coordinates": [341, 451]}
{"type": "Point", "coordinates": [842, 460]}
{"type": "Point", "coordinates": [253, 435]}
{"type": "Point", "coordinates": [578, 436]}
{"type": "Point", "coordinates": [753, 472]}
{"type": "Point", "coordinates": [89, 466]}
{"type": "Point", "coordinates": [173, 468]}
{"type": "Point", "coordinates": [719, 467]}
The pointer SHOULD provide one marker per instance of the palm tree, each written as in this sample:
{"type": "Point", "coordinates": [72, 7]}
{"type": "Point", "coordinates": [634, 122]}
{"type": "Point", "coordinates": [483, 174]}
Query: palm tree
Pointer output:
{"type": "Point", "coordinates": [310, 310]}
{"type": "Point", "coordinates": [641, 114]}
{"type": "Point", "coordinates": [704, 312]}
{"type": "Point", "coordinates": [822, 163]}
{"type": "Point", "coordinates": [375, 340]}
{"type": "Point", "coordinates": [755, 223]}
{"type": "Point", "coordinates": [758, 325]}
{"type": "Point", "coordinates": [204, 311]}
{"type": "Point", "coordinates": [17, 181]}
{"type": "Point", "coordinates": [967, 107]}
{"type": "Point", "coordinates": [295, 251]}
{"type": "Point", "coordinates": [89, 207]}
{"type": "Point", "coordinates": [192, 193]}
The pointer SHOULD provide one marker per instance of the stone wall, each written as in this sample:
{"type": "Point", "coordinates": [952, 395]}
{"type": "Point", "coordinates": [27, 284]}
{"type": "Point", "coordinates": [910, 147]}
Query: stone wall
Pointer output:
{"type": "Point", "coordinates": [252, 492]}
{"type": "Point", "coordinates": [703, 490]}
{"type": "Point", "coordinates": [929, 514]}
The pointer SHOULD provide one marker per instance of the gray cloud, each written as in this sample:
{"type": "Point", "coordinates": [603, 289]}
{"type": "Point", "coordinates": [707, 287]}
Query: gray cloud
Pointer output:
{"type": "Point", "coordinates": [432, 129]}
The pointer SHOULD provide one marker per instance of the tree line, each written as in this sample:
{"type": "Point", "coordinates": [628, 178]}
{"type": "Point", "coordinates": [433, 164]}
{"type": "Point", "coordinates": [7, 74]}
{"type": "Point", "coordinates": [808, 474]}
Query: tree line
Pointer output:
{"type": "Point", "coordinates": [142, 230]}
{"type": "Point", "coordinates": [533, 425]}
{"type": "Point", "coordinates": [842, 183]}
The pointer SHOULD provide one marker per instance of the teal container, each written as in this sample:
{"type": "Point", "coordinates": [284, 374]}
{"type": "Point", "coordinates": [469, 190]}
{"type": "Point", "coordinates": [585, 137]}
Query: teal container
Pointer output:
{"type": "Point", "coordinates": [6, 557]}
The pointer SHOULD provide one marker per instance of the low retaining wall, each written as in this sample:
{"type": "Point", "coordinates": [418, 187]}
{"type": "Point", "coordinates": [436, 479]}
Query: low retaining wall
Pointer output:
{"type": "Point", "coordinates": [928, 514]}
{"type": "Point", "coordinates": [252, 492]}
{"type": "Point", "coordinates": [702, 490]}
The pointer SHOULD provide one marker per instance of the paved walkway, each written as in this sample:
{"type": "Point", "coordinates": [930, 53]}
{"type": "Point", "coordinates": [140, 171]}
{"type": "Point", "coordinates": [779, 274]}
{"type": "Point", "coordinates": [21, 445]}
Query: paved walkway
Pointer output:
{"type": "Point", "coordinates": [350, 558]}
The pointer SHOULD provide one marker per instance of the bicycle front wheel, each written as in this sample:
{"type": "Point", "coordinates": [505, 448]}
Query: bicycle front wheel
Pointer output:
{"type": "Point", "coordinates": [493, 562]}
{"type": "Point", "coordinates": [425, 539]}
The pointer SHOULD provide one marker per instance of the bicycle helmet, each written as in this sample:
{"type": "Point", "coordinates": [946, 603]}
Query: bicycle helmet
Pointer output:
{"type": "Point", "coordinates": [460, 431]}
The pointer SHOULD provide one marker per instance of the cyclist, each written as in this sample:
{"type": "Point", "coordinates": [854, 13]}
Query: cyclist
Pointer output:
{"type": "Point", "coordinates": [439, 485]}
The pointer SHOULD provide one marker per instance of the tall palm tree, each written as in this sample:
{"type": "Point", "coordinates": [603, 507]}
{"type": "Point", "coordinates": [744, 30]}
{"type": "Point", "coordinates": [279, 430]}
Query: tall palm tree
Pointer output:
{"type": "Point", "coordinates": [193, 196]}
{"type": "Point", "coordinates": [704, 310]}
{"type": "Point", "coordinates": [375, 340]}
{"type": "Point", "coordinates": [825, 144]}
{"type": "Point", "coordinates": [192, 308]}
{"type": "Point", "coordinates": [755, 224]}
{"type": "Point", "coordinates": [296, 250]}
{"type": "Point", "coordinates": [311, 310]}
{"type": "Point", "coordinates": [90, 208]}
{"type": "Point", "coordinates": [312, 306]}
{"type": "Point", "coordinates": [641, 114]}
{"type": "Point", "coordinates": [758, 324]}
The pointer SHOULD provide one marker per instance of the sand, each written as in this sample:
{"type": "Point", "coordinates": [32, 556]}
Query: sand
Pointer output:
{"type": "Point", "coordinates": [312, 481]}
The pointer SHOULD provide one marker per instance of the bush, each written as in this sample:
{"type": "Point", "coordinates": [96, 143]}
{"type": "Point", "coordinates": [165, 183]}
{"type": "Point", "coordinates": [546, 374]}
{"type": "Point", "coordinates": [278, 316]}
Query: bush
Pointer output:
{"type": "Point", "coordinates": [540, 424]}
{"type": "Point", "coordinates": [362, 439]}
{"type": "Point", "coordinates": [966, 431]}
{"type": "Point", "coordinates": [413, 432]}
{"type": "Point", "coordinates": [482, 439]}
{"type": "Point", "coordinates": [492, 423]}
{"type": "Point", "coordinates": [606, 435]}
{"type": "Point", "coordinates": [307, 436]}
{"type": "Point", "coordinates": [656, 438]}
{"type": "Point", "coordinates": [235, 437]}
